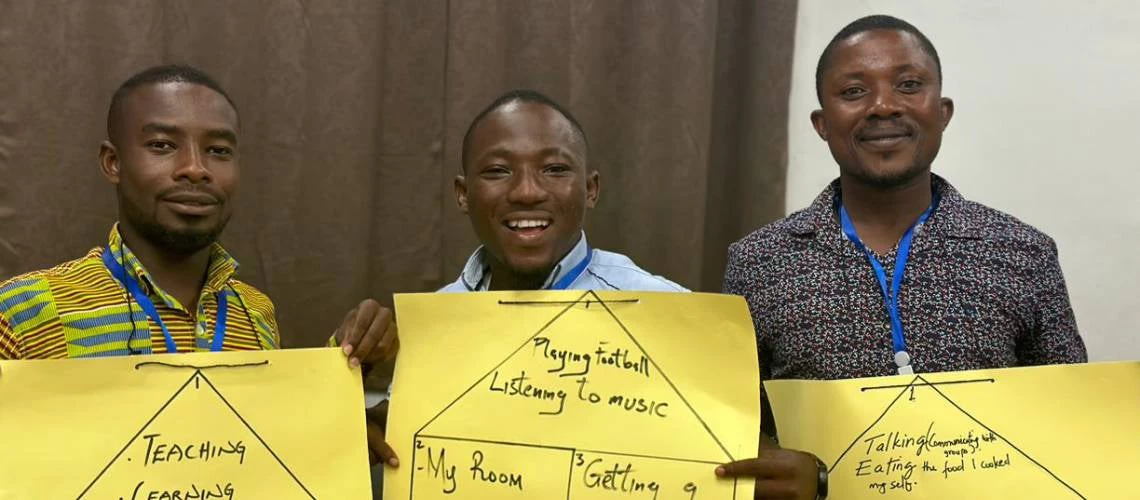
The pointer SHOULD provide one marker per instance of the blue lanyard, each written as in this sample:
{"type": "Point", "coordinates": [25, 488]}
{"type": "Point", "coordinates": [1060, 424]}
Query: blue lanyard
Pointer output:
{"type": "Point", "coordinates": [568, 279]}
{"type": "Point", "coordinates": [890, 292]}
{"type": "Point", "coordinates": [147, 305]}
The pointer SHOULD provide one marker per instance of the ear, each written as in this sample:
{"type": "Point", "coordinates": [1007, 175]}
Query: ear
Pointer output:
{"type": "Point", "coordinates": [109, 161]}
{"type": "Point", "coordinates": [947, 111]}
{"type": "Point", "coordinates": [593, 184]}
{"type": "Point", "coordinates": [461, 193]}
{"type": "Point", "coordinates": [819, 123]}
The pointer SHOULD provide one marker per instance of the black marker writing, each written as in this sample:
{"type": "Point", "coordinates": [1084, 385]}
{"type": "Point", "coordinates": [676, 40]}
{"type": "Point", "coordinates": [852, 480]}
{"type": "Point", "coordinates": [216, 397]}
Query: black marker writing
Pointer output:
{"type": "Point", "coordinates": [218, 491]}
{"type": "Point", "coordinates": [158, 452]}
{"type": "Point", "coordinates": [887, 442]}
{"type": "Point", "coordinates": [490, 476]}
{"type": "Point", "coordinates": [562, 356]}
{"type": "Point", "coordinates": [435, 468]}
{"type": "Point", "coordinates": [619, 358]}
{"type": "Point", "coordinates": [616, 478]}
{"type": "Point", "coordinates": [519, 386]}
{"type": "Point", "coordinates": [639, 405]}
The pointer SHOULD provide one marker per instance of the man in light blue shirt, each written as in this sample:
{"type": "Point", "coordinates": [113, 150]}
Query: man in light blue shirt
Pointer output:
{"type": "Point", "coordinates": [584, 268]}
{"type": "Point", "coordinates": [526, 187]}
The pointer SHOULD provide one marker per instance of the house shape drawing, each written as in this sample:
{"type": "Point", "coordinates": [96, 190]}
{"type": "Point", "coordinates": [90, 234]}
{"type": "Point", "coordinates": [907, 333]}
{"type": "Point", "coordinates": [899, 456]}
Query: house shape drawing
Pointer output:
{"type": "Point", "coordinates": [196, 441]}
{"type": "Point", "coordinates": [1006, 469]}
{"type": "Point", "coordinates": [562, 382]}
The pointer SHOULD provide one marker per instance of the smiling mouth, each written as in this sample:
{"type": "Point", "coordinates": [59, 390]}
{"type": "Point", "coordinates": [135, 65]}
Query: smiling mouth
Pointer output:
{"type": "Point", "coordinates": [884, 139]}
{"type": "Point", "coordinates": [527, 227]}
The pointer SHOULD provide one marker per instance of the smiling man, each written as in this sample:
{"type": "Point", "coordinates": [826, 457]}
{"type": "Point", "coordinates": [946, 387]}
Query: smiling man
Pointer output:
{"type": "Point", "coordinates": [161, 282]}
{"type": "Point", "coordinates": [891, 270]}
{"type": "Point", "coordinates": [526, 186]}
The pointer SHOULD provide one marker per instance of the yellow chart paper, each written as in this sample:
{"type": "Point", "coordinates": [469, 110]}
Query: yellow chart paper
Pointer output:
{"type": "Point", "coordinates": [274, 424]}
{"type": "Point", "coordinates": [1052, 432]}
{"type": "Point", "coordinates": [574, 395]}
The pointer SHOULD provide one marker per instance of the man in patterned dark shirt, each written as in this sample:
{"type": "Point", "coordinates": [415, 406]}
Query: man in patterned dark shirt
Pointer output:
{"type": "Point", "coordinates": [826, 285]}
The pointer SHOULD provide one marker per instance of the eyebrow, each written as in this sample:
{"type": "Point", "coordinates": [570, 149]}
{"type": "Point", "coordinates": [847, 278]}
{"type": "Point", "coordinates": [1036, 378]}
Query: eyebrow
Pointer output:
{"type": "Point", "coordinates": [897, 69]}
{"type": "Point", "coordinates": [218, 133]}
{"type": "Point", "coordinates": [161, 128]}
{"type": "Point", "coordinates": [222, 133]}
{"type": "Point", "coordinates": [549, 151]}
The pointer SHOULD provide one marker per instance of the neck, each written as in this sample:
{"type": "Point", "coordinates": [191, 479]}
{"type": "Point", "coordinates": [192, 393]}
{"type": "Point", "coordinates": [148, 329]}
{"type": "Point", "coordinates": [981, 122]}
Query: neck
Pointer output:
{"type": "Point", "coordinates": [181, 274]}
{"type": "Point", "coordinates": [504, 278]}
{"type": "Point", "coordinates": [882, 215]}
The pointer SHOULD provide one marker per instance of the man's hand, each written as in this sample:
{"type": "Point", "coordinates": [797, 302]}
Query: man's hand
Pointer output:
{"type": "Point", "coordinates": [368, 335]}
{"type": "Point", "coordinates": [378, 449]}
{"type": "Point", "coordinates": [779, 474]}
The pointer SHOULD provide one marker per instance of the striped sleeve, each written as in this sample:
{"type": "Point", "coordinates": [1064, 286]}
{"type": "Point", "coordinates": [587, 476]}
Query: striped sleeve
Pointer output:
{"type": "Point", "coordinates": [262, 312]}
{"type": "Point", "coordinates": [9, 347]}
{"type": "Point", "coordinates": [26, 307]}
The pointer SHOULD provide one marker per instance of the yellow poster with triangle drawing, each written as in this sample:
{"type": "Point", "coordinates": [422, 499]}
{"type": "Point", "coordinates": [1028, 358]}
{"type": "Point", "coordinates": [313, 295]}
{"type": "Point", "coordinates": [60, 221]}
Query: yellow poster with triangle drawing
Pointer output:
{"type": "Point", "coordinates": [1048, 432]}
{"type": "Point", "coordinates": [277, 424]}
{"type": "Point", "coordinates": [576, 395]}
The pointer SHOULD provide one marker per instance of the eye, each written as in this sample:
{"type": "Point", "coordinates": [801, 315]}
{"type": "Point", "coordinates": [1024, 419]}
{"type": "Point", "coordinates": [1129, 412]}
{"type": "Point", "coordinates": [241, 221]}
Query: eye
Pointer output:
{"type": "Point", "coordinates": [853, 92]}
{"type": "Point", "coordinates": [220, 151]}
{"type": "Point", "coordinates": [161, 146]}
{"type": "Point", "coordinates": [910, 86]}
{"type": "Point", "coordinates": [557, 169]}
{"type": "Point", "coordinates": [495, 172]}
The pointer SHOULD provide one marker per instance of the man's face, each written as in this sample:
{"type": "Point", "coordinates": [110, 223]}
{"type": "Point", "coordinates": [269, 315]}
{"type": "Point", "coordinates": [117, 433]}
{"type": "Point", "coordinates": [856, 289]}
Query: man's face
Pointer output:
{"type": "Point", "coordinates": [882, 107]}
{"type": "Point", "coordinates": [526, 187]}
{"type": "Point", "coordinates": [174, 161]}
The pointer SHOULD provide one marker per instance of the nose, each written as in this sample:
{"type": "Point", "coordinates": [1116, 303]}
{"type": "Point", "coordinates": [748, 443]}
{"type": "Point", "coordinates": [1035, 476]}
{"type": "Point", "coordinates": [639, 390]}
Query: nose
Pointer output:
{"type": "Point", "coordinates": [885, 104]}
{"type": "Point", "coordinates": [527, 188]}
{"type": "Point", "coordinates": [192, 167]}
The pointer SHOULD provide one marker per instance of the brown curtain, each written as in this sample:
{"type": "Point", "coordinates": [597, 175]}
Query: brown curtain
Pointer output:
{"type": "Point", "coordinates": [352, 114]}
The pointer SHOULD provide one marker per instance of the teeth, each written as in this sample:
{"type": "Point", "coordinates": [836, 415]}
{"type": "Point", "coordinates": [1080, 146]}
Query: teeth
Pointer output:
{"type": "Point", "coordinates": [527, 223]}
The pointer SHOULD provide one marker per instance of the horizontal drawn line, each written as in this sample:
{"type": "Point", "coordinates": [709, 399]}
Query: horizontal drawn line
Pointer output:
{"type": "Point", "coordinates": [200, 367]}
{"type": "Point", "coordinates": [488, 441]}
{"type": "Point", "coordinates": [925, 383]}
{"type": "Point", "coordinates": [587, 302]}
{"type": "Point", "coordinates": [563, 448]}
{"type": "Point", "coordinates": [635, 455]}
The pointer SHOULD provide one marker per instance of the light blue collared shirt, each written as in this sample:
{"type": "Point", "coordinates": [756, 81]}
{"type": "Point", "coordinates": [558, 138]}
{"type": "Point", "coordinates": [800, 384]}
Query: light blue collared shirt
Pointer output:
{"type": "Point", "coordinates": [605, 271]}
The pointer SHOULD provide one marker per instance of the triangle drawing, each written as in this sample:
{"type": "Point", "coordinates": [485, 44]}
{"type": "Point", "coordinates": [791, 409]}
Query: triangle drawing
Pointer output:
{"type": "Point", "coordinates": [924, 443]}
{"type": "Point", "coordinates": [197, 445]}
{"type": "Point", "coordinates": [583, 369]}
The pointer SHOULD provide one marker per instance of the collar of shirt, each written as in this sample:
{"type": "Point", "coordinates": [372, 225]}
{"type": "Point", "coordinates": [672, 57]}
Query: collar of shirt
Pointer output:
{"type": "Point", "coordinates": [222, 267]}
{"type": "Point", "coordinates": [477, 277]}
{"type": "Point", "coordinates": [952, 219]}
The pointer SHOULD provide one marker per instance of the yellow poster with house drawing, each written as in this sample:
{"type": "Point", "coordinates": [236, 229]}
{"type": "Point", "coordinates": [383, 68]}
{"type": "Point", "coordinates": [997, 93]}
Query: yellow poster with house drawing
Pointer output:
{"type": "Point", "coordinates": [572, 394]}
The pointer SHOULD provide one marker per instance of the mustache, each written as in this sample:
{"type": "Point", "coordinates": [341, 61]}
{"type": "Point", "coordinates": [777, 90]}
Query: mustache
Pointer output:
{"type": "Point", "coordinates": [201, 191]}
{"type": "Point", "coordinates": [883, 128]}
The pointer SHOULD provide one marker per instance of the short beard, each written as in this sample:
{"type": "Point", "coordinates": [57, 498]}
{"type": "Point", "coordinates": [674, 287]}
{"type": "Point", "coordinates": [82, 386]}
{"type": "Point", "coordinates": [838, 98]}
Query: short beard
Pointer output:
{"type": "Point", "coordinates": [179, 242]}
{"type": "Point", "coordinates": [892, 181]}
{"type": "Point", "coordinates": [182, 242]}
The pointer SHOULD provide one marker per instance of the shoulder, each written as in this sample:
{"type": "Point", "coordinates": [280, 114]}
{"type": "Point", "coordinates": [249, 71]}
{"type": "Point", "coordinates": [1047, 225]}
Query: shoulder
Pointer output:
{"type": "Point", "coordinates": [994, 225]}
{"type": "Point", "coordinates": [37, 286]}
{"type": "Point", "coordinates": [252, 298]}
{"type": "Point", "coordinates": [772, 240]}
{"type": "Point", "coordinates": [620, 272]}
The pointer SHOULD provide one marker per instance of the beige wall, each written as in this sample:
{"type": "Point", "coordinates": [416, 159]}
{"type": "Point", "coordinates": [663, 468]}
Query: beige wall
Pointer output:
{"type": "Point", "coordinates": [1047, 99]}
